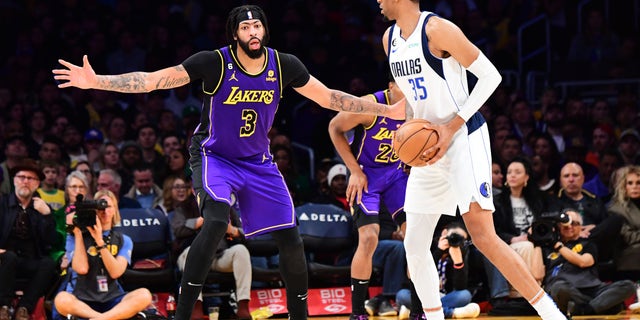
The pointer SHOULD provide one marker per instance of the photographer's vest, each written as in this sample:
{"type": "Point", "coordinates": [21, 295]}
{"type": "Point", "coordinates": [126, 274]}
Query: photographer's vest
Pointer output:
{"type": "Point", "coordinates": [86, 286]}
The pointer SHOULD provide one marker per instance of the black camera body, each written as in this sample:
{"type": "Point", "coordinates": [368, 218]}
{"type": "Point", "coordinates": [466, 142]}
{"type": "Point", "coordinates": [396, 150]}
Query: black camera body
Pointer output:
{"type": "Point", "coordinates": [455, 240]}
{"type": "Point", "coordinates": [544, 230]}
{"type": "Point", "coordinates": [86, 211]}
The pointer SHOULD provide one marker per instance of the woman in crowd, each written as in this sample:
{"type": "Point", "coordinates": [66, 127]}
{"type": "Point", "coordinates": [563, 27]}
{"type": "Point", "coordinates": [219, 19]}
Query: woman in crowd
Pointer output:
{"type": "Point", "coordinates": [175, 189]}
{"type": "Point", "coordinates": [626, 203]}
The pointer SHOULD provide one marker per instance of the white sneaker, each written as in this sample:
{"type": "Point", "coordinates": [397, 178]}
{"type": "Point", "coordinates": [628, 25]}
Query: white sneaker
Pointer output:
{"type": "Point", "coordinates": [635, 307]}
{"type": "Point", "coordinates": [471, 310]}
{"type": "Point", "coordinates": [404, 313]}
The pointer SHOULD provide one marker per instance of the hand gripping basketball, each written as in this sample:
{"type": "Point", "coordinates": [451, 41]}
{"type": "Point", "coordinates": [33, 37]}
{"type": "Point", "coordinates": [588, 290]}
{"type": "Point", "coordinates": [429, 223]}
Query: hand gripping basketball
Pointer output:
{"type": "Point", "coordinates": [412, 139]}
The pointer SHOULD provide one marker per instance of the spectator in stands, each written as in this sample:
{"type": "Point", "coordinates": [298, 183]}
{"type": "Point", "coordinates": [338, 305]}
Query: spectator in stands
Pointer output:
{"type": "Point", "coordinates": [625, 203]}
{"type": "Point", "coordinates": [116, 131]}
{"type": "Point", "coordinates": [76, 184]}
{"type": "Point", "coordinates": [231, 254]}
{"type": "Point", "coordinates": [110, 179]}
{"type": "Point", "coordinates": [27, 231]}
{"type": "Point", "coordinates": [522, 119]}
{"type": "Point", "coordinates": [48, 190]}
{"type": "Point", "coordinates": [337, 188]}
{"type": "Point", "coordinates": [175, 189]}
{"type": "Point", "coordinates": [51, 149]}
{"type": "Point", "coordinates": [15, 151]}
{"type": "Point", "coordinates": [178, 162]}
{"type": "Point", "coordinates": [552, 124]}
{"type": "Point", "coordinates": [572, 274]}
{"type": "Point", "coordinates": [72, 144]}
{"type": "Point", "coordinates": [600, 184]}
{"type": "Point", "coordinates": [510, 149]}
{"type": "Point", "coordinates": [573, 195]}
{"type": "Point", "coordinates": [144, 190]}
{"type": "Point", "coordinates": [147, 139]}
{"type": "Point", "coordinates": [598, 226]}
{"type": "Point", "coordinates": [87, 170]}
{"type": "Point", "coordinates": [109, 157]}
{"type": "Point", "coordinates": [180, 97]}
{"type": "Point", "coordinates": [167, 123]}
{"type": "Point", "coordinates": [545, 146]}
{"type": "Point", "coordinates": [629, 146]}
{"type": "Point", "coordinates": [603, 138]}
{"type": "Point", "coordinates": [170, 141]}
{"type": "Point", "coordinates": [497, 178]}
{"type": "Point", "coordinates": [38, 124]}
{"type": "Point", "coordinates": [452, 258]}
{"type": "Point", "coordinates": [131, 157]}
{"type": "Point", "coordinates": [298, 184]}
{"type": "Point", "coordinates": [542, 177]}
{"type": "Point", "coordinates": [519, 204]}
{"type": "Point", "coordinates": [93, 140]}
{"type": "Point", "coordinates": [99, 256]}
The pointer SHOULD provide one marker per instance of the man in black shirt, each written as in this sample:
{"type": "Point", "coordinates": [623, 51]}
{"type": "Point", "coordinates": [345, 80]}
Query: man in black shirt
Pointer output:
{"type": "Point", "coordinates": [572, 275]}
{"type": "Point", "coordinates": [27, 231]}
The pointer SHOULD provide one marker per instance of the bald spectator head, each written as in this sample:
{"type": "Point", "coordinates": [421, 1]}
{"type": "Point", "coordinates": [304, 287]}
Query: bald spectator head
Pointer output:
{"type": "Point", "coordinates": [571, 180]}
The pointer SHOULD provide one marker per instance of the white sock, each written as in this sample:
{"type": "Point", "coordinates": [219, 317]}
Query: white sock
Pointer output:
{"type": "Point", "coordinates": [547, 309]}
{"type": "Point", "coordinates": [434, 315]}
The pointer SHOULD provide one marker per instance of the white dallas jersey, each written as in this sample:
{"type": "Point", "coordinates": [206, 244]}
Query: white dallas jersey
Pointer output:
{"type": "Point", "coordinates": [435, 88]}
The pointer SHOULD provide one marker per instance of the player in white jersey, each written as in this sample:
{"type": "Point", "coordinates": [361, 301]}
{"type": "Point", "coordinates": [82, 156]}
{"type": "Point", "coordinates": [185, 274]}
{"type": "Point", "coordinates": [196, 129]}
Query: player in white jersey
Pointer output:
{"type": "Point", "coordinates": [445, 79]}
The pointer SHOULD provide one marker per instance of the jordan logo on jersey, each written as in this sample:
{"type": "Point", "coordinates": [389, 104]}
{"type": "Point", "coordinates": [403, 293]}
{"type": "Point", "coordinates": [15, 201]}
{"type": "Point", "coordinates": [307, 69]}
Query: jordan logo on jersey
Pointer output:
{"type": "Point", "coordinates": [233, 76]}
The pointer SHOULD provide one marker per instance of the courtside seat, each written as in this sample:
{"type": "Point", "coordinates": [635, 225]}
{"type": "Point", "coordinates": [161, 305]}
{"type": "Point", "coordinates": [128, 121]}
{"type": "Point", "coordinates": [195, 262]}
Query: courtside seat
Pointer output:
{"type": "Point", "coordinates": [327, 233]}
{"type": "Point", "coordinates": [264, 246]}
{"type": "Point", "coordinates": [152, 265]}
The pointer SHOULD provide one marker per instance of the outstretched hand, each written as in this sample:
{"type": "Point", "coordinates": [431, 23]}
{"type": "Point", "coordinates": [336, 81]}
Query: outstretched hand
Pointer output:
{"type": "Point", "coordinates": [75, 76]}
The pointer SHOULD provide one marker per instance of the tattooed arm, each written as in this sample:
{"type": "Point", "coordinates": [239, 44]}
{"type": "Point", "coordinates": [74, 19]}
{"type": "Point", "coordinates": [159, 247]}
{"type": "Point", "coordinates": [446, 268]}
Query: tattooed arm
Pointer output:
{"type": "Point", "coordinates": [341, 101]}
{"type": "Point", "coordinates": [134, 82]}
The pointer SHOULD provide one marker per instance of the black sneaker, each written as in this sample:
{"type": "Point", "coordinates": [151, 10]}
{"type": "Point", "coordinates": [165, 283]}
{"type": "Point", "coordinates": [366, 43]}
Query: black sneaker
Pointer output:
{"type": "Point", "coordinates": [372, 305]}
{"type": "Point", "coordinates": [385, 309]}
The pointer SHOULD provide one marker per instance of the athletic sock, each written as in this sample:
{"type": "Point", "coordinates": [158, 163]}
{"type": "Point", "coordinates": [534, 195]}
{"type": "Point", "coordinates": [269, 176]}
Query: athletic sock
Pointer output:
{"type": "Point", "coordinates": [359, 290]}
{"type": "Point", "coordinates": [546, 308]}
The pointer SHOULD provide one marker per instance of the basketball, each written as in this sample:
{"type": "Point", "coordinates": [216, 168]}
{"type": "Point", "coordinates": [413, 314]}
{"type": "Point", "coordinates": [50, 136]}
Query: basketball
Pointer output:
{"type": "Point", "coordinates": [410, 141]}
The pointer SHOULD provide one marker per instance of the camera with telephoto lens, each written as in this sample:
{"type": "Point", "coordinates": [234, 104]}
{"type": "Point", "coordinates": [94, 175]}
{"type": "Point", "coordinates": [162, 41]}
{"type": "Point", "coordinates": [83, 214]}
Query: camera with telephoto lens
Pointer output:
{"type": "Point", "coordinates": [86, 211]}
{"type": "Point", "coordinates": [455, 240]}
{"type": "Point", "coordinates": [544, 230]}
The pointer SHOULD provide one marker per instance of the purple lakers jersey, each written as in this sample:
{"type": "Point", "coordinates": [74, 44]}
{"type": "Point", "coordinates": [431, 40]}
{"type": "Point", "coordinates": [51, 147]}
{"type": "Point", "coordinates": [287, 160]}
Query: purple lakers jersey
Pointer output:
{"type": "Point", "coordinates": [372, 144]}
{"type": "Point", "coordinates": [242, 109]}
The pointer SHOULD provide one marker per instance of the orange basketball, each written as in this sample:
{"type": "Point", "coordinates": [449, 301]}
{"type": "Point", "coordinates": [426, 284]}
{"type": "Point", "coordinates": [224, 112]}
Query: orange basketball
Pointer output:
{"type": "Point", "coordinates": [411, 140]}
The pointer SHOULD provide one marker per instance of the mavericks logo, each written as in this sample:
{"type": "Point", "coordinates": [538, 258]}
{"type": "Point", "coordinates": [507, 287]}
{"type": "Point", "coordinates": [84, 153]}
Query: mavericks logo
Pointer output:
{"type": "Point", "coordinates": [485, 189]}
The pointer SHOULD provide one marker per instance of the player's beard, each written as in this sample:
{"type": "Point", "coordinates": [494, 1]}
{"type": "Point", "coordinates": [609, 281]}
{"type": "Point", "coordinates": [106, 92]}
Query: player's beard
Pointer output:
{"type": "Point", "coordinates": [253, 54]}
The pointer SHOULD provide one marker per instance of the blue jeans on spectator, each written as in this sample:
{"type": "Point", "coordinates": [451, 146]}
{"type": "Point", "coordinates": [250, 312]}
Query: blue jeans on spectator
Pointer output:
{"type": "Point", "coordinates": [498, 284]}
{"type": "Point", "coordinates": [450, 301]}
{"type": "Point", "coordinates": [390, 257]}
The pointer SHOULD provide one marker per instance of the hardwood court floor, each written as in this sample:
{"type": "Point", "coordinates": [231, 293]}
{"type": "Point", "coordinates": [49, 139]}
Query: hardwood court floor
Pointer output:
{"type": "Point", "coordinates": [622, 316]}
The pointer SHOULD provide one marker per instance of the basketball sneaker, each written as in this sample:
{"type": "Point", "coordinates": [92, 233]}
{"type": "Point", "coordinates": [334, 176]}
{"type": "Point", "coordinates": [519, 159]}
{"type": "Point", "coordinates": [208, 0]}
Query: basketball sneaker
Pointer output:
{"type": "Point", "coordinates": [471, 310]}
{"type": "Point", "coordinates": [404, 313]}
{"type": "Point", "coordinates": [386, 309]}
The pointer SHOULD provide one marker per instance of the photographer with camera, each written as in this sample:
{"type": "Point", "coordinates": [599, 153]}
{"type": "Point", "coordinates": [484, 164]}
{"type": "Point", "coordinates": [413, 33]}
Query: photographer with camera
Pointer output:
{"type": "Point", "coordinates": [99, 255]}
{"type": "Point", "coordinates": [572, 276]}
{"type": "Point", "coordinates": [451, 257]}
{"type": "Point", "coordinates": [517, 207]}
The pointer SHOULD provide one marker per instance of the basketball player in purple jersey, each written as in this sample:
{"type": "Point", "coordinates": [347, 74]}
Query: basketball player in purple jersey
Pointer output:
{"type": "Point", "coordinates": [377, 176]}
{"type": "Point", "coordinates": [242, 86]}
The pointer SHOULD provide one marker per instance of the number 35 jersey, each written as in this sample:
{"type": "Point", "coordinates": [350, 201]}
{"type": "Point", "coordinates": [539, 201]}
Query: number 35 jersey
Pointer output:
{"type": "Point", "coordinates": [434, 87]}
